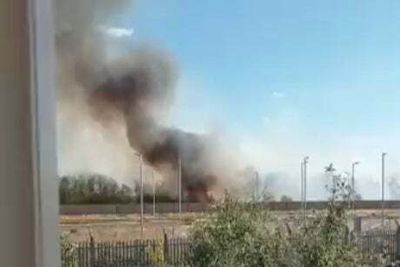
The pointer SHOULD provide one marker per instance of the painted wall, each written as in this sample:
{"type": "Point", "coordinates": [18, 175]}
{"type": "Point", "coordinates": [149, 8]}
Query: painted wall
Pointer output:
{"type": "Point", "coordinates": [28, 191]}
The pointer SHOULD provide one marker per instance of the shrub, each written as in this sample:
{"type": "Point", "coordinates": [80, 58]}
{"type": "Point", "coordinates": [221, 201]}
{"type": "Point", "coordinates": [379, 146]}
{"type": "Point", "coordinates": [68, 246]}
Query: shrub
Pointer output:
{"type": "Point", "coordinates": [236, 235]}
{"type": "Point", "coordinates": [244, 234]}
{"type": "Point", "coordinates": [324, 240]}
{"type": "Point", "coordinates": [68, 252]}
{"type": "Point", "coordinates": [156, 253]}
{"type": "Point", "coordinates": [285, 198]}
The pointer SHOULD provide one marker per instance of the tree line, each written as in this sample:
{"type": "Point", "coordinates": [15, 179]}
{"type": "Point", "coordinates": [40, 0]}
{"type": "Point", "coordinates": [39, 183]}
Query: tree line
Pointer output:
{"type": "Point", "coordinates": [93, 189]}
{"type": "Point", "coordinates": [100, 189]}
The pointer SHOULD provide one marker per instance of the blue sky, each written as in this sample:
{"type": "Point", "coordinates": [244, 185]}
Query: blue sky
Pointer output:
{"type": "Point", "coordinates": [285, 78]}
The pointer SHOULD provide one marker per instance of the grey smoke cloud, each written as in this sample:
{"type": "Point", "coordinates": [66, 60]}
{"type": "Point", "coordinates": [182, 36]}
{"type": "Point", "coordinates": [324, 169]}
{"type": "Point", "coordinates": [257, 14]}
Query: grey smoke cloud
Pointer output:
{"type": "Point", "coordinates": [125, 100]}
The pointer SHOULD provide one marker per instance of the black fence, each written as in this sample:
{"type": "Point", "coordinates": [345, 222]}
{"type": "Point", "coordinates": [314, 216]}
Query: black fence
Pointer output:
{"type": "Point", "coordinates": [386, 243]}
{"type": "Point", "coordinates": [175, 251]}
{"type": "Point", "coordinates": [172, 251]}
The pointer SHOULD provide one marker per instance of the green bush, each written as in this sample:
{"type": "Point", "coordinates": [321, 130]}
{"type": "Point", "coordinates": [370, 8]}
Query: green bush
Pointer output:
{"type": "Point", "coordinates": [236, 235]}
{"type": "Point", "coordinates": [68, 252]}
{"type": "Point", "coordinates": [156, 254]}
{"type": "Point", "coordinates": [324, 240]}
{"type": "Point", "coordinates": [244, 234]}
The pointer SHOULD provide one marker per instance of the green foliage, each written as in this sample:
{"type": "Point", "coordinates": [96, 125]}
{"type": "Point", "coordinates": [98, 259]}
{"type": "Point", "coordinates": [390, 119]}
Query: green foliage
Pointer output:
{"type": "Point", "coordinates": [285, 198]}
{"type": "Point", "coordinates": [238, 234]}
{"type": "Point", "coordinates": [243, 234]}
{"type": "Point", "coordinates": [93, 189]}
{"type": "Point", "coordinates": [68, 252]}
{"type": "Point", "coordinates": [99, 189]}
{"type": "Point", "coordinates": [156, 254]}
{"type": "Point", "coordinates": [324, 238]}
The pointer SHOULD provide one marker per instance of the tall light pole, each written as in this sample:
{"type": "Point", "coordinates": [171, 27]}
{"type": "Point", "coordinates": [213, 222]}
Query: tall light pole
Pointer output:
{"type": "Point", "coordinates": [383, 189]}
{"type": "Point", "coordinates": [256, 186]}
{"type": "Point", "coordinates": [305, 162]}
{"type": "Point", "coordinates": [353, 185]}
{"type": "Point", "coordinates": [141, 192]}
{"type": "Point", "coordinates": [302, 185]}
{"type": "Point", "coordinates": [353, 165]}
{"type": "Point", "coordinates": [179, 185]}
{"type": "Point", "coordinates": [154, 193]}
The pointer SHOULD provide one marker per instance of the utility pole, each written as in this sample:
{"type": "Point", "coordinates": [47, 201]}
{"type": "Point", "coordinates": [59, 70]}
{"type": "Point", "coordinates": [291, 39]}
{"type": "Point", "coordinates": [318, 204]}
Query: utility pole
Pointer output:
{"type": "Point", "coordinates": [353, 184]}
{"type": "Point", "coordinates": [256, 186]}
{"type": "Point", "coordinates": [383, 190]}
{"type": "Point", "coordinates": [302, 185]}
{"type": "Point", "coordinates": [154, 193]}
{"type": "Point", "coordinates": [179, 185]}
{"type": "Point", "coordinates": [141, 194]}
{"type": "Point", "coordinates": [305, 162]}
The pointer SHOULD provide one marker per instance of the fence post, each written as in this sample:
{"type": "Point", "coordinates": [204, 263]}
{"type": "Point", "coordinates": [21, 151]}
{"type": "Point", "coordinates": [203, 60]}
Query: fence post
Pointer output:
{"type": "Point", "coordinates": [92, 252]}
{"type": "Point", "coordinates": [357, 224]}
{"type": "Point", "coordinates": [398, 243]}
{"type": "Point", "coordinates": [166, 248]}
{"type": "Point", "coordinates": [347, 235]}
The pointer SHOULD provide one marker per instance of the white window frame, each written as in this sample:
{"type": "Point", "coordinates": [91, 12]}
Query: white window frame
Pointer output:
{"type": "Point", "coordinates": [43, 121]}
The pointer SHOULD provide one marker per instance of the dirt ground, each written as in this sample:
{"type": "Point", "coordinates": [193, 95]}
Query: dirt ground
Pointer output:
{"type": "Point", "coordinates": [127, 227]}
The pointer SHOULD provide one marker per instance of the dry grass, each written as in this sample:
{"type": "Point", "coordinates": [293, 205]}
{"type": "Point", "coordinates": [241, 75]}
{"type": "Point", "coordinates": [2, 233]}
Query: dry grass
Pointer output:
{"type": "Point", "coordinates": [127, 227]}
{"type": "Point", "coordinates": [113, 228]}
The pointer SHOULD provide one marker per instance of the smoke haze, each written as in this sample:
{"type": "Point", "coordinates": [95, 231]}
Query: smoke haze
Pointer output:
{"type": "Point", "coordinates": [111, 108]}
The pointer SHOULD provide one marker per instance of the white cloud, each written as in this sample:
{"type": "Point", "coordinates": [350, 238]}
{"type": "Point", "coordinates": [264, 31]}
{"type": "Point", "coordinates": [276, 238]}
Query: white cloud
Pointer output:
{"type": "Point", "coordinates": [117, 32]}
{"type": "Point", "coordinates": [277, 94]}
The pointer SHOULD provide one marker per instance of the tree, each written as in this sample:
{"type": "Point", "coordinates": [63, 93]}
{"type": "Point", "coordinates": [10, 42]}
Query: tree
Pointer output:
{"type": "Point", "coordinates": [64, 189]}
{"type": "Point", "coordinates": [285, 198]}
{"type": "Point", "coordinates": [238, 234]}
{"type": "Point", "coordinates": [339, 181]}
{"type": "Point", "coordinates": [243, 234]}
{"type": "Point", "coordinates": [93, 189]}
{"type": "Point", "coordinates": [330, 172]}
{"type": "Point", "coordinates": [394, 188]}
{"type": "Point", "coordinates": [254, 188]}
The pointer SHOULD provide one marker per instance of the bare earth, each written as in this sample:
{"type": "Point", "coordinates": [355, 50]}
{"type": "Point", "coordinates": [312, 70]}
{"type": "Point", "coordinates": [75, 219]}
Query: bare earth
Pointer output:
{"type": "Point", "coordinates": [127, 227]}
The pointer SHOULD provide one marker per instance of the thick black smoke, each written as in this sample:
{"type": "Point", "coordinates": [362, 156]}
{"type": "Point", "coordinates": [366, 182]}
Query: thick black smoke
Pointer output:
{"type": "Point", "coordinates": [141, 88]}
{"type": "Point", "coordinates": [134, 92]}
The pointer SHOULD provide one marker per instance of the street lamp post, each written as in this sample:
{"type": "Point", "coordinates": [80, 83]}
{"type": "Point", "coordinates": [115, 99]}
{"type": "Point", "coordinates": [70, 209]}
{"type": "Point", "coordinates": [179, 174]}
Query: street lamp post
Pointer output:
{"type": "Point", "coordinates": [353, 184]}
{"type": "Point", "coordinates": [141, 192]}
{"type": "Point", "coordinates": [305, 162]}
{"type": "Point", "coordinates": [383, 189]}
{"type": "Point", "coordinates": [353, 191]}
{"type": "Point", "coordinates": [154, 193]}
{"type": "Point", "coordinates": [179, 185]}
{"type": "Point", "coordinates": [256, 192]}
{"type": "Point", "coordinates": [302, 185]}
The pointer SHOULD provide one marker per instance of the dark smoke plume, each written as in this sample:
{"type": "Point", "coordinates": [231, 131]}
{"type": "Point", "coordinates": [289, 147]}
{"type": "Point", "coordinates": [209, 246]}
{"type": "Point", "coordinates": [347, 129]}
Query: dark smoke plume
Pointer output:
{"type": "Point", "coordinates": [141, 88]}
{"type": "Point", "coordinates": [136, 92]}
